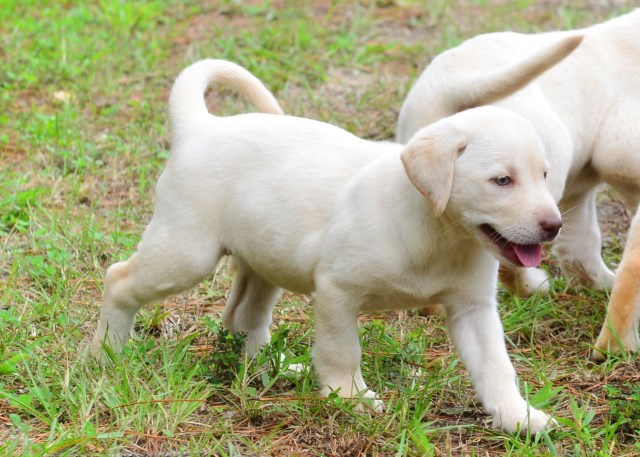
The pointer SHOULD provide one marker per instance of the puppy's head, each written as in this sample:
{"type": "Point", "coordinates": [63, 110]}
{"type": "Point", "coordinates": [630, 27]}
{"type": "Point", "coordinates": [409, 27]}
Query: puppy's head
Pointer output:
{"type": "Point", "coordinates": [486, 169]}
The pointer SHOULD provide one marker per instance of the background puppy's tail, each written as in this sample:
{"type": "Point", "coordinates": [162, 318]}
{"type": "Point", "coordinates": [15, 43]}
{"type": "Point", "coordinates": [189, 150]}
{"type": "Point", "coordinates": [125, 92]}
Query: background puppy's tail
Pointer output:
{"type": "Point", "coordinates": [486, 88]}
{"type": "Point", "coordinates": [439, 96]}
{"type": "Point", "coordinates": [186, 103]}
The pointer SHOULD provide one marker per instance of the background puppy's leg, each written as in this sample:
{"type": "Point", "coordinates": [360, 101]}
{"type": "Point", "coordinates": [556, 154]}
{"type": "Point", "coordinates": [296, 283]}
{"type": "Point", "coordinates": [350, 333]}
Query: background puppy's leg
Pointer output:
{"type": "Point", "coordinates": [431, 310]}
{"type": "Point", "coordinates": [524, 281]}
{"type": "Point", "coordinates": [337, 352]}
{"type": "Point", "coordinates": [250, 307]}
{"type": "Point", "coordinates": [623, 314]}
{"type": "Point", "coordinates": [478, 335]}
{"type": "Point", "coordinates": [578, 246]}
{"type": "Point", "coordinates": [171, 258]}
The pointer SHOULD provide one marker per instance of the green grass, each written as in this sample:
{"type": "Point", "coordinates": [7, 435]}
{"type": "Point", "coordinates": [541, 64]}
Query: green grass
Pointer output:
{"type": "Point", "coordinates": [83, 137]}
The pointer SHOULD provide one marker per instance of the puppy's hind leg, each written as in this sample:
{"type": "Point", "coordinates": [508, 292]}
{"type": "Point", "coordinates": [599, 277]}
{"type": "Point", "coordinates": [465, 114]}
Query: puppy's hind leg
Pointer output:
{"type": "Point", "coordinates": [172, 257]}
{"type": "Point", "coordinates": [337, 351]}
{"type": "Point", "coordinates": [250, 306]}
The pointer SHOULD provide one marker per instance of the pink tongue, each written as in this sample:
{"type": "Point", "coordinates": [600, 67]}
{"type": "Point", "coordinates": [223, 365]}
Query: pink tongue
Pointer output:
{"type": "Point", "coordinates": [529, 254]}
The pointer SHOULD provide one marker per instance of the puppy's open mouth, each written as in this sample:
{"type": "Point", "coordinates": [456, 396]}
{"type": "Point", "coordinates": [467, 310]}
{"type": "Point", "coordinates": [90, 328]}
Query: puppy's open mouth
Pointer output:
{"type": "Point", "coordinates": [521, 255]}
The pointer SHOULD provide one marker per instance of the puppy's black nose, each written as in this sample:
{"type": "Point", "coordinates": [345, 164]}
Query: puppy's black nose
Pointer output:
{"type": "Point", "coordinates": [551, 227]}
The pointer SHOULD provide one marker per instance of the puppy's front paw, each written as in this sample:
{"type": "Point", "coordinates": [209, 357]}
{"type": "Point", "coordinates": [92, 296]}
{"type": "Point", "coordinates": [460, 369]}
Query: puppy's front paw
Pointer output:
{"type": "Point", "coordinates": [369, 401]}
{"type": "Point", "coordinates": [607, 342]}
{"type": "Point", "coordinates": [296, 370]}
{"type": "Point", "coordinates": [524, 282]}
{"type": "Point", "coordinates": [589, 274]}
{"type": "Point", "coordinates": [532, 281]}
{"type": "Point", "coordinates": [603, 280]}
{"type": "Point", "coordinates": [525, 419]}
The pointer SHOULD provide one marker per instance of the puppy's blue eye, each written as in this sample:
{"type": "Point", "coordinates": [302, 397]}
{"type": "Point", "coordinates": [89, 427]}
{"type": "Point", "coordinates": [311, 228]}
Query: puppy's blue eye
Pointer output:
{"type": "Point", "coordinates": [502, 180]}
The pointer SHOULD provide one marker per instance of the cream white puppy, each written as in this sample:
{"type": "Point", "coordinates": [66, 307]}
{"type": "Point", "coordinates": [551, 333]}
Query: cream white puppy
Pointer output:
{"type": "Point", "coordinates": [585, 110]}
{"type": "Point", "coordinates": [363, 225]}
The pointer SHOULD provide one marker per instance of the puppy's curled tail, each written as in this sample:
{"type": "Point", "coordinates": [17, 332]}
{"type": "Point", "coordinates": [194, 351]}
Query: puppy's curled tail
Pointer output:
{"type": "Point", "coordinates": [486, 88]}
{"type": "Point", "coordinates": [187, 105]}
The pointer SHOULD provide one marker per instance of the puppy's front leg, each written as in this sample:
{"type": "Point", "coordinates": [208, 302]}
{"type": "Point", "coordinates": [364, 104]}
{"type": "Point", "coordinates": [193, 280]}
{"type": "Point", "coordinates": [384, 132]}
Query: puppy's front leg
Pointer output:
{"type": "Point", "coordinates": [477, 332]}
{"type": "Point", "coordinates": [337, 352]}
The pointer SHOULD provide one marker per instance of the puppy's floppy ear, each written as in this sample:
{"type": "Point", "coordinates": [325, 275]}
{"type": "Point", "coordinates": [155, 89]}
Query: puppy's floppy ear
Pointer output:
{"type": "Point", "coordinates": [428, 160]}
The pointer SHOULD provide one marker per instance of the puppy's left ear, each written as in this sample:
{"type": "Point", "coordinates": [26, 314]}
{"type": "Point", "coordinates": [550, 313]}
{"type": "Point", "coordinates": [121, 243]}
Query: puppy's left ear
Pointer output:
{"type": "Point", "coordinates": [428, 160]}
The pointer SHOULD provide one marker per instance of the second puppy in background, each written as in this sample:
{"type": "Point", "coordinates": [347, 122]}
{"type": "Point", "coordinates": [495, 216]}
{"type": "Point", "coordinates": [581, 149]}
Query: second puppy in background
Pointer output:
{"type": "Point", "coordinates": [585, 110]}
